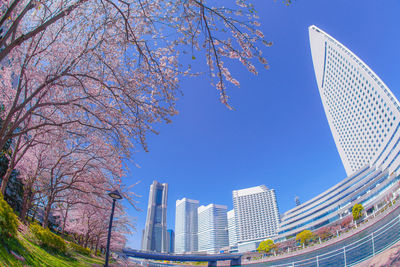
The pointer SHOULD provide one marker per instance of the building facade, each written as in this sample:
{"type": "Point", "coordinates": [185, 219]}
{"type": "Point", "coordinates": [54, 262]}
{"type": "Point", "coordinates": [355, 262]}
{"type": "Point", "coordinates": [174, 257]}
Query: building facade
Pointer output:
{"type": "Point", "coordinates": [232, 228]}
{"type": "Point", "coordinates": [213, 228]}
{"type": "Point", "coordinates": [170, 241]}
{"type": "Point", "coordinates": [155, 233]}
{"type": "Point", "coordinates": [186, 225]}
{"type": "Point", "coordinates": [256, 216]}
{"type": "Point", "coordinates": [364, 187]}
{"type": "Point", "coordinates": [362, 112]}
{"type": "Point", "coordinates": [363, 116]}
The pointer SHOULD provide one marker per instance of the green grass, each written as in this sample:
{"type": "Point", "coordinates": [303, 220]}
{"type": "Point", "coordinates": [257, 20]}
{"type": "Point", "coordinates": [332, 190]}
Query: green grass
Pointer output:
{"type": "Point", "coordinates": [36, 256]}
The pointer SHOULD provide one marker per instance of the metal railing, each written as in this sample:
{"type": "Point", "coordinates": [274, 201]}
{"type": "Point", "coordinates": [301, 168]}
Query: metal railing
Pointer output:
{"type": "Point", "coordinates": [355, 252]}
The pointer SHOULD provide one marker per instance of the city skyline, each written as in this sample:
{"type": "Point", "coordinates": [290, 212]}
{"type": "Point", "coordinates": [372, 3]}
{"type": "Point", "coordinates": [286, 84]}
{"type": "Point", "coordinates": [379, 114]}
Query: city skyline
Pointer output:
{"type": "Point", "coordinates": [290, 130]}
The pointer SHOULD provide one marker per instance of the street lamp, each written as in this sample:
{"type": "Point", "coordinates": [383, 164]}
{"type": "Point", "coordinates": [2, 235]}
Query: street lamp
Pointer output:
{"type": "Point", "coordinates": [114, 195]}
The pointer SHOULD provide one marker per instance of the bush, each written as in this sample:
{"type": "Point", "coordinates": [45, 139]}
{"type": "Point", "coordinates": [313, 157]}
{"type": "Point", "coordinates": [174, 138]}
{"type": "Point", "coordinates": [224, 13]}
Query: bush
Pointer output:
{"type": "Point", "coordinates": [8, 222]}
{"type": "Point", "coordinates": [47, 239]}
{"type": "Point", "coordinates": [79, 249]}
{"type": "Point", "coordinates": [357, 211]}
{"type": "Point", "coordinates": [305, 237]}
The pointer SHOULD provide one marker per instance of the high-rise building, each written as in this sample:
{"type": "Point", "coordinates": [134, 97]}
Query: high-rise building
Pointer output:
{"type": "Point", "coordinates": [232, 228]}
{"type": "Point", "coordinates": [155, 233]}
{"type": "Point", "coordinates": [362, 112]}
{"type": "Point", "coordinates": [170, 241]}
{"type": "Point", "coordinates": [256, 216]}
{"type": "Point", "coordinates": [363, 115]}
{"type": "Point", "coordinates": [186, 225]}
{"type": "Point", "coordinates": [213, 228]}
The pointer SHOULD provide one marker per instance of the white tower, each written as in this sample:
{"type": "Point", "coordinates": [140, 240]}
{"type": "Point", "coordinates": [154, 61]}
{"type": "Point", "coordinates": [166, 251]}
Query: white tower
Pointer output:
{"type": "Point", "coordinates": [186, 225]}
{"type": "Point", "coordinates": [362, 112]}
{"type": "Point", "coordinates": [213, 228]}
{"type": "Point", "coordinates": [232, 228]}
{"type": "Point", "coordinates": [256, 215]}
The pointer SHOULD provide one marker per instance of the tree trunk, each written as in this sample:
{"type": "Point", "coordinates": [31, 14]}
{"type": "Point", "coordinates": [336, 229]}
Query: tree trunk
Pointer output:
{"type": "Point", "coordinates": [26, 201]}
{"type": "Point", "coordinates": [47, 212]}
{"type": "Point", "coordinates": [6, 177]}
{"type": "Point", "coordinates": [97, 245]}
{"type": "Point", "coordinates": [65, 218]}
{"type": "Point", "coordinates": [34, 214]}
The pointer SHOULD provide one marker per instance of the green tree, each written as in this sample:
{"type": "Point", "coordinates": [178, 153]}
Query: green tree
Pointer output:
{"type": "Point", "coordinates": [266, 246]}
{"type": "Point", "coordinates": [357, 211]}
{"type": "Point", "coordinates": [304, 237]}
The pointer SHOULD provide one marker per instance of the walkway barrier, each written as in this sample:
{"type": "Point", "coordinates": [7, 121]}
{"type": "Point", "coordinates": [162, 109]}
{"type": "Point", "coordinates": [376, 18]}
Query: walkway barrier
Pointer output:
{"type": "Point", "coordinates": [353, 253]}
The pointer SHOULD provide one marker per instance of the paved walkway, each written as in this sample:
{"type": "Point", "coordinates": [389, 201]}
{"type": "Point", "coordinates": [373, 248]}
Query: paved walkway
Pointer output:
{"type": "Point", "coordinates": [389, 257]}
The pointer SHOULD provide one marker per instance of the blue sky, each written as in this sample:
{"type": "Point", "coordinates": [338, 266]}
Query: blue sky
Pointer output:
{"type": "Point", "coordinates": [278, 134]}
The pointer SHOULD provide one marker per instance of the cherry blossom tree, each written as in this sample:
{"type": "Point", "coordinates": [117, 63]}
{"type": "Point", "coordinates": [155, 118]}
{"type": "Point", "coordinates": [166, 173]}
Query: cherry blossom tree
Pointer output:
{"type": "Point", "coordinates": [112, 66]}
{"type": "Point", "coordinates": [84, 81]}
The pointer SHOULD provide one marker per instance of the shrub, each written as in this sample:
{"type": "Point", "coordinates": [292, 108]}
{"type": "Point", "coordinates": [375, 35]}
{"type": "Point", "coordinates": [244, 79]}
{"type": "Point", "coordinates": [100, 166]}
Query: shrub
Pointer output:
{"type": "Point", "coordinates": [47, 239]}
{"type": "Point", "coordinates": [304, 237]}
{"type": "Point", "coordinates": [79, 249]}
{"type": "Point", "coordinates": [8, 222]}
{"type": "Point", "coordinates": [266, 246]}
{"type": "Point", "coordinates": [357, 211]}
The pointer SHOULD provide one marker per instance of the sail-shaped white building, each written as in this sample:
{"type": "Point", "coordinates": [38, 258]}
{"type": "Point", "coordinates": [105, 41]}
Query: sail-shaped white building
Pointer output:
{"type": "Point", "coordinates": [362, 112]}
{"type": "Point", "coordinates": [364, 117]}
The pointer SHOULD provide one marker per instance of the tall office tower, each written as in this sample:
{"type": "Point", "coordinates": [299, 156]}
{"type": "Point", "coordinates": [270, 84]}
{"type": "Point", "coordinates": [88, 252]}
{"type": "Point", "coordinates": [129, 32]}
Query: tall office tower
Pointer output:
{"type": "Point", "coordinates": [186, 225]}
{"type": "Point", "coordinates": [232, 228]}
{"type": "Point", "coordinates": [362, 112]}
{"type": "Point", "coordinates": [155, 233]}
{"type": "Point", "coordinates": [142, 242]}
{"type": "Point", "coordinates": [256, 215]}
{"type": "Point", "coordinates": [170, 241]}
{"type": "Point", "coordinates": [213, 228]}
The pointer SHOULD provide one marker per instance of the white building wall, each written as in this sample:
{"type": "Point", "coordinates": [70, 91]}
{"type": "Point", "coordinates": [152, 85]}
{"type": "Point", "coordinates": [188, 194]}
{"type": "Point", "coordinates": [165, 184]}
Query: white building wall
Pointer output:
{"type": "Point", "coordinates": [232, 228]}
{"type": "Point", "coordinates": [213, 228]}
{"type": "Point", "coordinates": [186, 225]}
{"type": "Point", "coordinates": [256, 213]}
{"type": "Point", "coordinates": [362, 112]}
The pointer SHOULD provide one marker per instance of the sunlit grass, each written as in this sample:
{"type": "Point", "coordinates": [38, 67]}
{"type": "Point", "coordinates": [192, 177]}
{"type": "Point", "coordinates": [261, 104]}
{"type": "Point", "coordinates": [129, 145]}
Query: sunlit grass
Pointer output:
{"type": "Point", "coordinates": [36, 256]}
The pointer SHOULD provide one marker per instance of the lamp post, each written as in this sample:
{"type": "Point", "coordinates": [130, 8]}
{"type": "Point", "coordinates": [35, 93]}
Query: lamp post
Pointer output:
{"type": "Point", "coordinates": [114, 195]}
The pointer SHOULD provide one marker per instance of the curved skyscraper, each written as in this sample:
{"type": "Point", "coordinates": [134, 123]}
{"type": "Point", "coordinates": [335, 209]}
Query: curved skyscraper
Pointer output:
{"type": "Point", "coordinates": [155, 233]}
{"type": "Point", "coordinates": [362, 112]}
{"type": "Point", "coordinates": [364, 119]}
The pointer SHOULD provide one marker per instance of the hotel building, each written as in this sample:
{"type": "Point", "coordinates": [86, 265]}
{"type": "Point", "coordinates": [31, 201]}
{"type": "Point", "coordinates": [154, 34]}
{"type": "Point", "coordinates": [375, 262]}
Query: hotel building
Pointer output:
{"type": "Point", "coordinates": [256, 216]}
{"type": "Point", "coordinates": [363, 116]}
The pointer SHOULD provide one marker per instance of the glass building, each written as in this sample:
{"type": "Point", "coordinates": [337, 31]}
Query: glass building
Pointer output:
{"type": "Point", "coordinates": [186, 225]}
{"type": "Point", "coordinates": [155, 233]}
{"type": "Point", "coordinates": [170, 241]}
{"type": "Point", "coordinates": [213, 228]}
{"type": "Point", "coordinates": [232, 228]}
{"type": "Point", "coordinates": [256, 216]}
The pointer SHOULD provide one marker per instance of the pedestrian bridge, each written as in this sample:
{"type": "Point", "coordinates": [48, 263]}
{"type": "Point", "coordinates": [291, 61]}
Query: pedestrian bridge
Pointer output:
{"type": "Point", "coordinates": [235, 259]}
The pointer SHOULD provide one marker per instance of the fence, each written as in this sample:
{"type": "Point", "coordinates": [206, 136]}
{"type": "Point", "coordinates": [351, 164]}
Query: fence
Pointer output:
{"type": "Point", "coordinates": [366, 247]}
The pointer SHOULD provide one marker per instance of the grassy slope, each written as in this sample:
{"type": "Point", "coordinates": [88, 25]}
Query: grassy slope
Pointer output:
{"type": "Point", "coordinates": [36, 256]}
